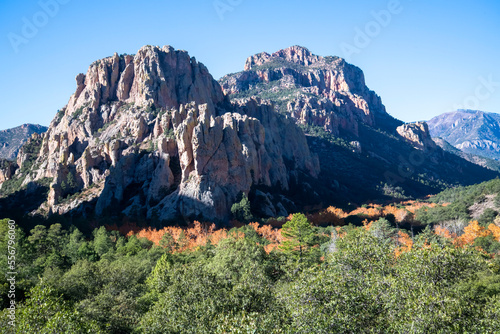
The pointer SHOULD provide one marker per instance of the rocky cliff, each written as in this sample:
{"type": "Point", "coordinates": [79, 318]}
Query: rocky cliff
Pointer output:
{"type": "Point", "coordinates": [318, 91]}
{"type": "Point", "coordinates": [152, 135]}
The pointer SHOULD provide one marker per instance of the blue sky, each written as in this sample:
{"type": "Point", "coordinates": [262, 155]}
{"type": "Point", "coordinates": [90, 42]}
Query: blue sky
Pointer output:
{"type": "Point", "coordinates": [422, 57]}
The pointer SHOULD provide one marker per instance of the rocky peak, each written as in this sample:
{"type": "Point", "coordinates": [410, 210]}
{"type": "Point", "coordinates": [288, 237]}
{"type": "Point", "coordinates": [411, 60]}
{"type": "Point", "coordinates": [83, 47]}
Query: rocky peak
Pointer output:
{"type": "Point", "coordinates": [318, 91]}
{"type": "Point", "coordinates": [163, 76]}
{"type": "Point", "coordinates": [295, 54]}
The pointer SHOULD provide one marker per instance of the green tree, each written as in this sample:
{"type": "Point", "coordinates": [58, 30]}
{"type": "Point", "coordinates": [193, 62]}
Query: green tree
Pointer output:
{"type": "Point", "coordinates": [299, 237]}
{"type": "Point", "coordinates": [102, 241]}
{"type": "Point", "coordinates": [241, 211]}
{"type": "Point", "coordinates": [168, 242]}
{"type": "Point", "coordinates": [46, 313]}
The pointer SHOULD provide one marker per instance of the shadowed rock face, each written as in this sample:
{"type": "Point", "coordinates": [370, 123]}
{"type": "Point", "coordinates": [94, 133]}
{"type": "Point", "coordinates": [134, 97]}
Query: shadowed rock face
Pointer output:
{"type": "Point", "coordinates": [153, 135]}
{"type": "Point", "coordinates": [320, 91]}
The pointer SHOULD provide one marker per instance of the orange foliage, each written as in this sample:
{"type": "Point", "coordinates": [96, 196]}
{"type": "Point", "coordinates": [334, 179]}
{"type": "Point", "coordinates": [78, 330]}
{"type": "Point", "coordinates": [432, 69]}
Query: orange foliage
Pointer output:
{"type": "Point", "coordinates": [406, 243]}
{"type": "Point", "coordinates": [367, 225]}
{"type": "Point", "coordinates": [372, 211]}
{"type": "Point", "coordinates": [197, 234]}
{"type": "Point", "coordinates": [471, 232]}
{"type": "Point", "coordinates": [269, 233]}
{"type": "Point", "coordinates": [413, 206]}
{"type": "Point", "coordinates": [400, 215]}
{"type": "Point", "coordinates": [332, 216]}
{"type": "Point", "coordinates": [443, 232]}
{"type": "Point", "coordinates": [495, 230]}
{"type": "Point", "coordinates": [194, 236]}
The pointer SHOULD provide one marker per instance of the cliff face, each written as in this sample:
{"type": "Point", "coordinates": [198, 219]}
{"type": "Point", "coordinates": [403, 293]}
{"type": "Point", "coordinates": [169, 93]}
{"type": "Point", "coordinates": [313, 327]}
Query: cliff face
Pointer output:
{"type": "Point", "coordinates": [153, 135]}
{"type": "Point", "coordinates": [320, 91]}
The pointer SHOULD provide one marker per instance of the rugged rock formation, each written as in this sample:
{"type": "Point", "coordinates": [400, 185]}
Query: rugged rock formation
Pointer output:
{"type": "Point", "coordinates": [12, 139]}
{"type": "Point", "coordinates": [153, 135]}
{"type": "Point", "coordinates": [319, 91]}
{"type": "Point", "coordinates": [7, 170]}
{"type": "Point", "coordinates": [418, 135]}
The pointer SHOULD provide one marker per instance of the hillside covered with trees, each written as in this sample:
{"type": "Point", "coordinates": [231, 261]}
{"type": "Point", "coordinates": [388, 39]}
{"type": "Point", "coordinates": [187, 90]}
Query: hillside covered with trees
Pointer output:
{"type": "Point", "coordinates": [395, 272]}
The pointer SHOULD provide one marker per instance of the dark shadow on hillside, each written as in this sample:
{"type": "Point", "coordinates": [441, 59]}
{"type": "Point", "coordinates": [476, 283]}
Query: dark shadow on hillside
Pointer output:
{"type": "Point", "coordinates": [382, 171]}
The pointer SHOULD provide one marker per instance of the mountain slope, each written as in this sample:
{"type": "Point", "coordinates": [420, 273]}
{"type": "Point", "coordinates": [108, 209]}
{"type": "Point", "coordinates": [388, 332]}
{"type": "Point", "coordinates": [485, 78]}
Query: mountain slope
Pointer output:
{"type": "Point", "coordinates": [12, 139]}
{"type": "Point", "coordinates": [475, 159]}
{"type": "Point", "coordinates": [472, 131]}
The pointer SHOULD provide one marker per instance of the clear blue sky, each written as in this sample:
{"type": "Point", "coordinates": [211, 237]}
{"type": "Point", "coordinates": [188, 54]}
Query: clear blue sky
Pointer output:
{"type": "Point", "coordinates": [427, 60]}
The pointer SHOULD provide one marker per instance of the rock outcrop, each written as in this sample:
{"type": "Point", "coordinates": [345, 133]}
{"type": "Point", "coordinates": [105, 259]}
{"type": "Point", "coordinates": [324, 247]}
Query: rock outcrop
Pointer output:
{"type": "Point", "coordinates": [152, 135]}
{"type": "Point", "coordinates": [7, 170]}
{"type": "Point", "coordinates": [417, 134]}
{"type": "Point", "coordinates": [319, 91]}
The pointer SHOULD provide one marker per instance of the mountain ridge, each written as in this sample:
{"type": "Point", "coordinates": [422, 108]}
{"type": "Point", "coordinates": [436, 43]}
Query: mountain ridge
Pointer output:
{"type": "Point", "coordinates": [471, 131]}
{"type": "Point", "coordinates": [154, 137]}
{"type": "Point", "coordinates": [12, 139]}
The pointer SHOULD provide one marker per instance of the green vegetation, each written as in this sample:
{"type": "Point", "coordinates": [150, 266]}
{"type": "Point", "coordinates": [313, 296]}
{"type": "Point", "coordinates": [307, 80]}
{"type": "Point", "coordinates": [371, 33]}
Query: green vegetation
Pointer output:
{"type": "Point", "coordinates": [318, 131]}
{"type": "Point", "coordinates": [364, 283]}
{"type": "Point", "coordinates": [59, 115]}
{"type": "Point", "coordinates": [31, 149]}
{"type": "Point", "coordinates": [241, 211]}
{"type": "Point", "coordinates": [460, 200]}
{"type": "Point", "coordinates": [78, 112]}
{"type": "Point", "coordinates": [299, 238]}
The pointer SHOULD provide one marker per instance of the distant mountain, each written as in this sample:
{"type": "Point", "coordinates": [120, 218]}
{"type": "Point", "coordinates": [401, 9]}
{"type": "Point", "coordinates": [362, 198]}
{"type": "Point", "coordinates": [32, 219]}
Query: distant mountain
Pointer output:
{"type": "Point", "coordinates": [471, 131]}
{"type": "Point", "coordinates": [475, 159]}
{"type": "Point", "coordinates": [11, 140]}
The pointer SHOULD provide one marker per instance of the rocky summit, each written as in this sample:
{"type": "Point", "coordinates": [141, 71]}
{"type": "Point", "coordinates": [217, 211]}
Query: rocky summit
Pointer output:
{"type": "Point", "coordinates": [153, 135]}
{"type": "Point", "coordinates": [320, 91]}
